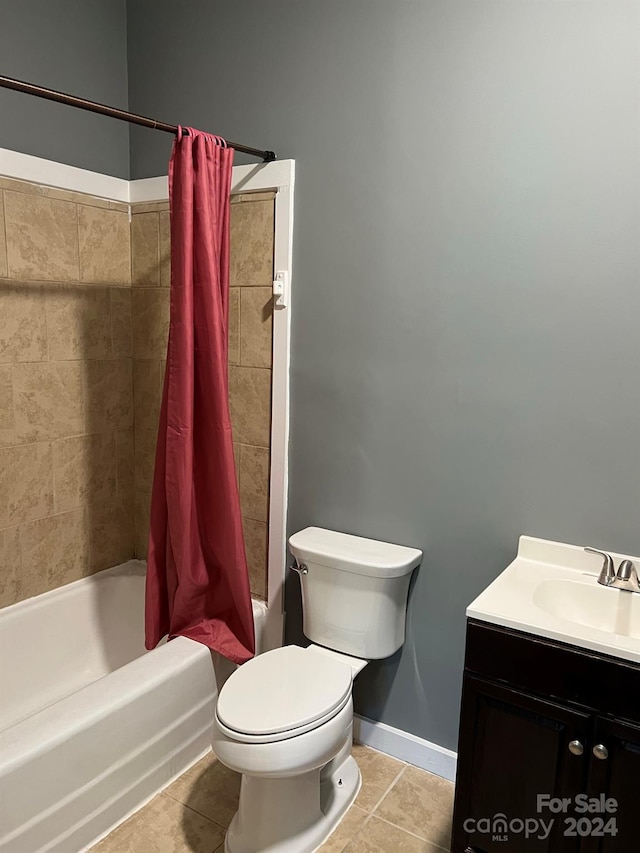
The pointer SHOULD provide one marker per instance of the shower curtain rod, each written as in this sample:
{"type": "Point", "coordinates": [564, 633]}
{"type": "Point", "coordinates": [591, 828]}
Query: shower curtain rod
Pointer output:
{"type": "Point", "coordinates": [112, 112]}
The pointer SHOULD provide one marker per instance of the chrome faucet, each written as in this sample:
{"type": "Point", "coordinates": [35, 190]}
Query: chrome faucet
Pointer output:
{"type": "Point", "coordinates": [625, 578]}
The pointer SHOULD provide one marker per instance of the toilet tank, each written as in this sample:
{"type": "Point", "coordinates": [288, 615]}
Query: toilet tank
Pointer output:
{"type": "Point", "coordinates": [354, 591]}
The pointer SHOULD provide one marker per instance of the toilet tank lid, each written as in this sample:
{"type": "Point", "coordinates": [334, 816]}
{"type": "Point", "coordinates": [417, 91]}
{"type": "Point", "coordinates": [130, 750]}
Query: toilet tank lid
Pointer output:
{"type": "Point", "coordinates": [353, 553]}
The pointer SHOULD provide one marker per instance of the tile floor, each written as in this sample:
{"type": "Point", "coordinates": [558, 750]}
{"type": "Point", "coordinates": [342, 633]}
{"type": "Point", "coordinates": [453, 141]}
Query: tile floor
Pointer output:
{"type": "Point", "coordinates": [399, 809]}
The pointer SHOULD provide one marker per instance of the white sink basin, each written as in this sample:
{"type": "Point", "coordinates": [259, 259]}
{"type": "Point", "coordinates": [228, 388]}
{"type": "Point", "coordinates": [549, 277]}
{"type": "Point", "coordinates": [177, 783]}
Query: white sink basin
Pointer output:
{"type": "Point", "coordinates": [591, 605]}
{"type": "Point", "coordinates": [551, 590]}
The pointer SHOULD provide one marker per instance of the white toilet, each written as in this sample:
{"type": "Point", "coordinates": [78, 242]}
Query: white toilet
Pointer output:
{"type": "Point", "coordinates": [284, 719]}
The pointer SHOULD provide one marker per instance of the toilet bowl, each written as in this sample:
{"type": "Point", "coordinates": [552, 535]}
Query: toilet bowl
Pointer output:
{"type": "Point", "coordinates": [292, 746]}
{"type": "Point", "coordinates": [284, 720]}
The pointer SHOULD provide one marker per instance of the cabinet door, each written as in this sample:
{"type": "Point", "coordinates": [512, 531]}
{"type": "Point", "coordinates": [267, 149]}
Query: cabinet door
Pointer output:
{"type": "Point", "coordinates": [614, 771]}
{"type": "Point", "coordinates": [513, 748]}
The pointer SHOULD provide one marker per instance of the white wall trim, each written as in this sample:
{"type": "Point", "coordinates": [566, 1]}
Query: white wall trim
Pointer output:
{"type": "Point", "coordinates": [26, 167]}
{"type": "Point", "coordinates": [278, 175]}
{"type": "Point", "coordinates": [281, 176]}
{"type": "Point", "coordinates": [149, 189]}
{"type": "Point", "coordinates": [406, 747]}
{"type": "Point", "coordinates": [253, 178]}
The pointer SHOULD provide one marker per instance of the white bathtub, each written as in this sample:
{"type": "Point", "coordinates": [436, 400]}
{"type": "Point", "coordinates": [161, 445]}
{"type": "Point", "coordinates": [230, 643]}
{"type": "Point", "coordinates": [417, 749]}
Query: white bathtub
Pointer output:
{"type": "Point", "coordinates": [92, 725]}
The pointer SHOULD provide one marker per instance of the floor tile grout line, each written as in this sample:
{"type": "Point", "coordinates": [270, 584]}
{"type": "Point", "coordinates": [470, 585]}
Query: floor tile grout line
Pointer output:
{"type": "Point", "coordinates": [357, 832]}
{"type": "Point", "coordinates": [412, 834]}
{"type": "Point", "coordinates": [195, 811]}
{"type": "Point", "coordinates": [387, 791]}
{"type": "Point", "coordinates": [191, 808]}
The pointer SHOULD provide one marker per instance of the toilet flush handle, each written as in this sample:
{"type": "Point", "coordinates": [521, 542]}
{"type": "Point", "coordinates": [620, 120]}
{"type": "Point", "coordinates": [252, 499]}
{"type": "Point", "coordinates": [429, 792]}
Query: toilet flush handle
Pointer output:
{"type": "Point", "coordinates": [300, 569]}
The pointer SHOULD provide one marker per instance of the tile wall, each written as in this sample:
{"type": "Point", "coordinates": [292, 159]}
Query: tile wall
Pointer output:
{"type": "Point", "coordinates": [84, 312]}
{"type": "Point", "coordinates": [250, 348]}
{"type": "Point", "coordinates": [66, 388]}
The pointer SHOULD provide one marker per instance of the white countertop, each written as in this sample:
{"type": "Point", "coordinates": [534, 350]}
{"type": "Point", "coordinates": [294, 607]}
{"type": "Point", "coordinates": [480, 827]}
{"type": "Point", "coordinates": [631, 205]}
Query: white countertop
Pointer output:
{"type": "Point", "coordinates": [551, 590]}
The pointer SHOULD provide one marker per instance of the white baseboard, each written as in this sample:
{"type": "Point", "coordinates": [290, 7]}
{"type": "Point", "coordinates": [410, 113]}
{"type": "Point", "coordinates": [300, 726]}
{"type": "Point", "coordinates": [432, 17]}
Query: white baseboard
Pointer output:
{"type": "Point", "coordinates": [406, 747]}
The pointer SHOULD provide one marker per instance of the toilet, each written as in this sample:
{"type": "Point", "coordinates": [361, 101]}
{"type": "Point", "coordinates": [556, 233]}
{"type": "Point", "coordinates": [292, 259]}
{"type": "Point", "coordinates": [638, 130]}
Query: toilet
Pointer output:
{"type": "Point", "coordinates": [284, 719]}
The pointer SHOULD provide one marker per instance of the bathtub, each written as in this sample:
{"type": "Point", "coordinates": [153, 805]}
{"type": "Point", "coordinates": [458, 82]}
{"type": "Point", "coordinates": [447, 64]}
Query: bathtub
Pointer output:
{"type": "Point", "coordinates": [92, 725]}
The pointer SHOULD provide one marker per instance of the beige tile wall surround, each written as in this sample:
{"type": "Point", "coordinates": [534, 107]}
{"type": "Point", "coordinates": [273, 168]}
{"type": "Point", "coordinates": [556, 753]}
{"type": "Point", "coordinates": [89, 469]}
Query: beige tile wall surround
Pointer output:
{"type": "Point", "coordinates": [11, 566]}
{"type": "Point", "coordinates": [3, 244]}
{"type": "Point", "coordinates": [105, 549]}
{"type": "Point", "coordinates": [256, 541]}
{"type": "Point", "coordinates": [250, 348]}
{"type": "Point", "coordinates": [54, 550]}
{"type": "Point", "coordinates": [150, 312]}
{"type": "Point", "coordinates": [78, 318]}
{"type": "Point", "coordinates": [148, 376]}
{"type": "Point", "coordinates": [84, 469]}
{"type": "Point", "coordinates": [23, 322]}
{"type": "Point", "coordinates": [7, 412]}
{"type": "Point", "coordinates": [256, 320]}
{"type": "Point", "coordinates": [66, 387]}
{"type": "Point", "coordinates": [109, 393]}
{"type": "Point", "coordinates": [42, 237]}
{"type": "Point", "coordinates": [164, 248]}
{"type": "Point", "coordinates": [234, 325]}
{"type": "Point", "coordinates": [49, 399]}
{"type": "Point", "coordinates": [250, 403]}
{"type": "Point", "coordinates": [100, 232]}
{"type": "Point", "coordinates": [125, 462]}
{"type": "Point", "coordinates": [145, 450]}
{"type": "Point", "coordinates": [26, 482]}
{"type": "Point", "coordinates": [254, 482]}
{"type": "Point", "coordinates": [251, 259]}
{"type": "Point", "coordinates": [84, 313]}
{"type": "Point", "coordinates": [145, 249]}
{"type": "Point", "coordinates": [121, 327]}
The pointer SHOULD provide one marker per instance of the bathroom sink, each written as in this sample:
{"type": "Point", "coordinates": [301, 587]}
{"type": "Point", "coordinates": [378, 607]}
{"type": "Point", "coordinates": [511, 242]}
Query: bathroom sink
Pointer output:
{"type": "Point", "coordinates": [551, 590]}
{"type": "Point", "coordinates": [592, 605]}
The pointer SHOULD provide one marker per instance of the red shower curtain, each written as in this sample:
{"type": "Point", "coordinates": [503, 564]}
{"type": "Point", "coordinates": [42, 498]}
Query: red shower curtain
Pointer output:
{"type": "Point", "coordinates": [197, 578]}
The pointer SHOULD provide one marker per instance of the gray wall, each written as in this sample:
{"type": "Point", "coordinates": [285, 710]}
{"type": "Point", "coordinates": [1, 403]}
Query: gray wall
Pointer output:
{"type": "Point", "coordinates": [466, 333]}
{"type": "Point", "coordinates": [75, 46]}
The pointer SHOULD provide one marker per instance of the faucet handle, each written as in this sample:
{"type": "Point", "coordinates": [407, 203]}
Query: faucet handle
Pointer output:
{"type": "Point", "coordinates": [627, 572]}
{"type": "Point", "coordinates": [607, 573]}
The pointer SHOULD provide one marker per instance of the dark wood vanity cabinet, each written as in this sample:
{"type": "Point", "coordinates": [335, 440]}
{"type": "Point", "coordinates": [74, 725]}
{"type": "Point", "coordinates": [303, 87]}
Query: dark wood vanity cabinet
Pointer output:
{"type": "Point", "coordinates": [545, 720]}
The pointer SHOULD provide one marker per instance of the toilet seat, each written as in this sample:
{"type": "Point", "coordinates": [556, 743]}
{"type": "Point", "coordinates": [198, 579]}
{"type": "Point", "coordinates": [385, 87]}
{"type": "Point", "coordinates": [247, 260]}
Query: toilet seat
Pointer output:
{"type": "Point", "coordinates": [281, 694]}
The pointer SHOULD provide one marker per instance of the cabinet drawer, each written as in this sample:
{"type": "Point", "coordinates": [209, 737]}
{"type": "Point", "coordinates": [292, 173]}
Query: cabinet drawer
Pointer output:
{"type": "Point", "coordinates": [553, 670]}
